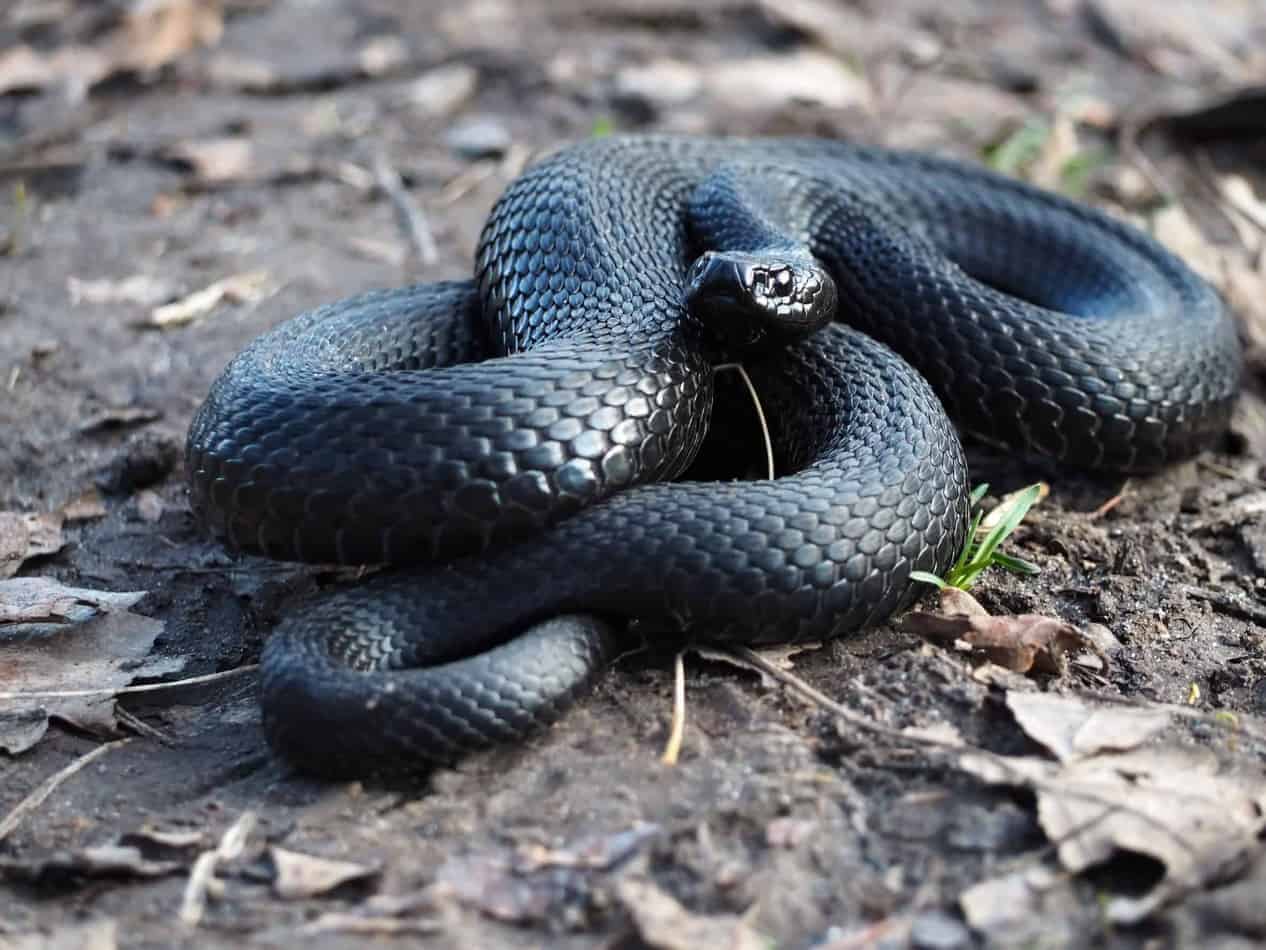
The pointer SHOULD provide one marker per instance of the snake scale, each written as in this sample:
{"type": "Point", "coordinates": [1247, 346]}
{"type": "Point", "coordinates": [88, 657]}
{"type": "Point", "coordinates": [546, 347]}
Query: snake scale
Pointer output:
{"type": "Point", "coordinates": [547, 451]}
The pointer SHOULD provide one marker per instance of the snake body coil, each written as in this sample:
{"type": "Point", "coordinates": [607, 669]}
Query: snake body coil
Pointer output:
{"type": "Point", "coordinates": [519, 436]}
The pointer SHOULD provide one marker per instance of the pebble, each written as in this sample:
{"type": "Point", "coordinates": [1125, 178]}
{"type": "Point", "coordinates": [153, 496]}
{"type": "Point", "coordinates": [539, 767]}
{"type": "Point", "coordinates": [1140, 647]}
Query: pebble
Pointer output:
{"type": "Point", "coordinates": [937, 930]}
{"type": "Point", "coordinates": [660, 84]}
{"type": "Point", "coordinates": [770, 82]}
{"type": "Point", "coordinates": [478, 137]}
{"type": "Point", "coordinates": [441, 91]}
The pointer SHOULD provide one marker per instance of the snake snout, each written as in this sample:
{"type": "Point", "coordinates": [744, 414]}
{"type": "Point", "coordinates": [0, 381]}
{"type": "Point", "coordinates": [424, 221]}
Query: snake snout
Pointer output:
{"type": "Point", "coordinates": [746, 297]}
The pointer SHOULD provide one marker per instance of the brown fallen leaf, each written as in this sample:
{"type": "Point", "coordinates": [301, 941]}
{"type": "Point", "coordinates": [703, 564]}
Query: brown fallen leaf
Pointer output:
{"type": "Point", "coordinates": [87, 506]}
{"type": "Point", "coordinates": [44, 600]}
{"type": "Point", "coordinates": [1072, 728]}
{"type": "Point", "coordinates": [137, 289]}
{"type": "Point", "coordinates": [1023, 907]}
{"type": "Point", "coordinates": [305, 875]}
{"type": "Point", "coordinates": [1173, 804]}
{"type": "Point", "coordinates": [146, 37]}
{"type": "Point", "coordinates": [664, 924]}
{"type": "Point", "coordinates": [1020, 643]}
{"type": "Point", "coordinates": [214, 161]}
{"type": "Point", "coordinates": [69, 670]}
{"type": "Point", "coordinates": [28, 535]}
{"type": "Point", "coordinates": [246, 287]}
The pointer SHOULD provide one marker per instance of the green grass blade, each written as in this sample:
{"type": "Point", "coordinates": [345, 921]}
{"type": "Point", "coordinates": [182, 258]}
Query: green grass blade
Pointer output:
{"type": "Point", "coordinates": [927, 578]}
{"type": "Point", "coordinates": [1016, 565]}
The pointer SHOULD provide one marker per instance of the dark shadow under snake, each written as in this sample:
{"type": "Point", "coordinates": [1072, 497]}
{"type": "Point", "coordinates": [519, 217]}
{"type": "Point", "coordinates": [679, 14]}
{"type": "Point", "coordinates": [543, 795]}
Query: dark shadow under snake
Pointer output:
{"type": "Point", "coordinates": [537, 441]}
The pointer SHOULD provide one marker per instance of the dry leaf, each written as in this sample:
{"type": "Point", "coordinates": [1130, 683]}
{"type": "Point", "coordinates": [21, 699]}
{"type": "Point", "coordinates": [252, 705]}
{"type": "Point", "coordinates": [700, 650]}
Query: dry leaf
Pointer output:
{"type": "Point", "coordinates": [149, 35]}
{"type": "Point", "coordinates": [43, 600]}
{"type": "Point", "coordinates": [85, 507]}
{"type": "Point", "coordinates": [772, 82]}
{"type": "Point", "coordinates": [42, 654]}
{"type": "Point", "coordinates": [214, 161]}
{"type": "Point", "coordinates": [1073, 729]}
{"type": "Point", "coordinates": [1171, 804]}
{"type": "Point", "coordinates": [304, 875]}
{"type": "Point", "coordinates": [1018, 909]}
{"type": "Point", "coordinates": [1019, 643]}
{"type": "Point", "coordinates": [138, 289]}
{"type": "Point", "coordinates": [664, 924]}
{"type": "Point", "coordinates": [27, 535]}
{"type": "Point", "coordinates": [247, 287]}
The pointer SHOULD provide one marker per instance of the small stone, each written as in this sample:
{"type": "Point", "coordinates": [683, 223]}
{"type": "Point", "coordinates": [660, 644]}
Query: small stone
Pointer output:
{"type": "Point", "coordinates": [478, 137]}
{"type": "Point", "coordinates": [937, 930]}
{"type": "Point", "coordinates": [441, 91]}
{"type": "Point", "coordinates": [149, 507]}
{"type": "Point", "coordinates": [660, 84]}
{"type": "Point", "coordinates": [771, 82]}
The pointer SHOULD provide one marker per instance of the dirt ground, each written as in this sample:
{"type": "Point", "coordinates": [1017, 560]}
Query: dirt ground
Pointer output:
{"type": "Point", "coordinates": [172, 186]}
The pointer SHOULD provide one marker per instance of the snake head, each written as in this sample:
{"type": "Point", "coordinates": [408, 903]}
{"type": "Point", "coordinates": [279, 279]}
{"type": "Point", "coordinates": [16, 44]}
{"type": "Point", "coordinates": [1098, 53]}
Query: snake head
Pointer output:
{"type": "Point", "coordinates": [746, 298]}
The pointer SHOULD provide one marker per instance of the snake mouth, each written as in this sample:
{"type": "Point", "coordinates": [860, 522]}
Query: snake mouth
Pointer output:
{"type": "Point", "coordinates": [718, 294]}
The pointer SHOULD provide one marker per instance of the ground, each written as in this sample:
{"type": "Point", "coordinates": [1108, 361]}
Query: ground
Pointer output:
{"type": "Point", "coordinates": [286, 153]}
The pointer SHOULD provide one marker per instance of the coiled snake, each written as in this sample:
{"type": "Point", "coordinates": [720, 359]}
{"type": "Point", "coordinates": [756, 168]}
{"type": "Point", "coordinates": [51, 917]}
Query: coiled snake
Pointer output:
{"type": "Point", "coordinates": [522, 444]}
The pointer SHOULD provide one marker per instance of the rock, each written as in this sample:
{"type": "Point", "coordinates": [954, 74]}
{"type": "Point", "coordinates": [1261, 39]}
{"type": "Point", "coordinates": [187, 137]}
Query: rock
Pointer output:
{"type": "Point", "coordinates": [764, 83]}
{"type": "Point", "coordinates": [937, 930]}
{"type": "Point", "coordinates": [442, 91]}
{"type": "Point", "coordinates": [660, 84]}
{"type": "Point", "coordinates": [478, 137]}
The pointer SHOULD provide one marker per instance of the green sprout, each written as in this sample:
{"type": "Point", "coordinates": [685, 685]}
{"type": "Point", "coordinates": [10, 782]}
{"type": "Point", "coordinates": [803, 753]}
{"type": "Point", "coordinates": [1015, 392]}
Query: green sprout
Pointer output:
{"type": "Point", "coordinates": [1020, 149]}
{"type": "Point", "coordinates": [980, 554]}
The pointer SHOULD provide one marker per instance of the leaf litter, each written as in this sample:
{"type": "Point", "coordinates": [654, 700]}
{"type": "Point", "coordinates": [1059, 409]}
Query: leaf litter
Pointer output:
{"type": "Point", "coordinates": [1110, 792]}
{"type": "Point", "coordinates": [67, 650]}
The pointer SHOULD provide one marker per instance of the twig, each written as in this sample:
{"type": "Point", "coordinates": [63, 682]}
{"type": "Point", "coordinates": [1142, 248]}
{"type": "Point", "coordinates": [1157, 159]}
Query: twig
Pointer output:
{"type": "Point", "coordinates": [814, 695]}
{"type": "Point", "coordinates": [140, 727]}
{"type": "Point", "coordinates": [760, 412]}
{"type": "Point", "coordinates": [145, 688]}
{"type": "Point", "coordinates": [408, 215]}
{"type": "Point", "coordinates": [1108, 505]}
{"type": "Point", "coordinates": [50, 784]}
{"type": "Point", "coordinates": [672, 748]}
{"type": "Point", "coordinates": [202, 878]}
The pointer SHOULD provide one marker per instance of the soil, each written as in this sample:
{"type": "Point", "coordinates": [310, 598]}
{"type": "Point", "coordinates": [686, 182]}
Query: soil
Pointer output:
{"type": "Point", "coordinates": [780, 819]}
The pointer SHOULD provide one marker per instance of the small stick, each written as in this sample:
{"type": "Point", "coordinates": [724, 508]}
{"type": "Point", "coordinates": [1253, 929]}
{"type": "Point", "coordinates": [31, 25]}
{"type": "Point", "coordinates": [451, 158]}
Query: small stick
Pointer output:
{"type": "Point", "coordinates": [760, 412]}
{"type": "Point", "coordinates": [202, 878]}
{"type": "Point", "coordinates": [672, 748]}
{"type": "Point", "coordinates": [145, 688]}
{"type": "Point", "coordinates": [408, 215]}
{"type": "Point", "coordinates": [49, 785]}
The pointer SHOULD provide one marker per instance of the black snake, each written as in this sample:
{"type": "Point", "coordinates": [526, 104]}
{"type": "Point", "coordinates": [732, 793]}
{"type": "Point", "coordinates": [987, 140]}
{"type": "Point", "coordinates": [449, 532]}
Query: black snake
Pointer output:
{"type": "Point", "coordinates": [541, 442]}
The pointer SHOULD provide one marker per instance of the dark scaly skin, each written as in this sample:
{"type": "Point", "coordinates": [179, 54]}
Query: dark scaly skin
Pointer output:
{"type": "Point", "coordinates": [347, 435]}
